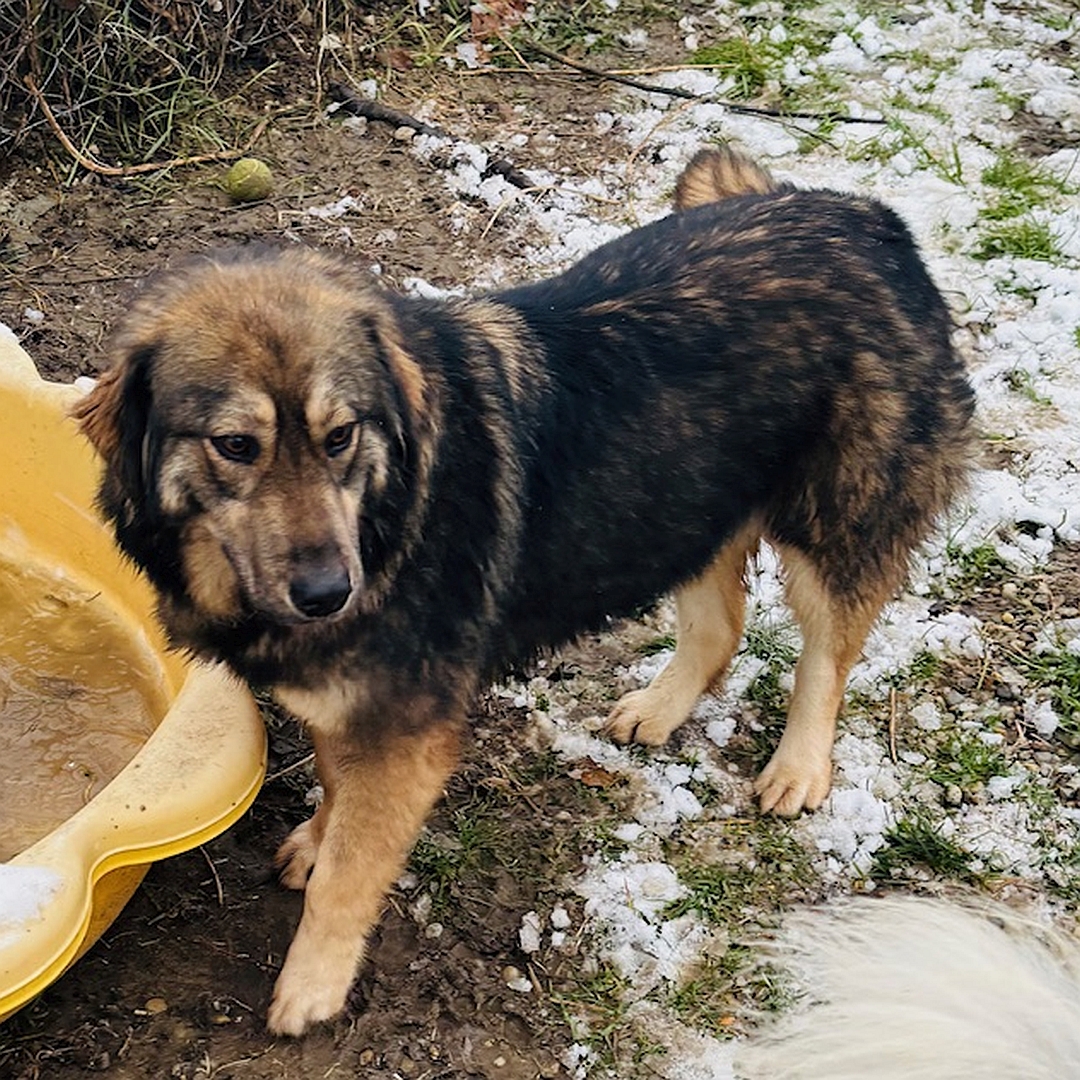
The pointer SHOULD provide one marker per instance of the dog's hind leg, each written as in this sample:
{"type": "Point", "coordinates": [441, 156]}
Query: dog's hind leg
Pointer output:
{"type": "Point", "coordinates": [378, 795]}
{"type": "Point", "coordinates": [834, 628]}
{"type": "Point", "coordinates": [710, 612]}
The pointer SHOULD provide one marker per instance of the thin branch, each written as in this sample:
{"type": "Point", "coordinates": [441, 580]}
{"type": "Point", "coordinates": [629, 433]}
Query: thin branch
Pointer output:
{"type": "Point", "coordinates": [91, 165]}
{"type": "Point", "coordinates": [376, 110]}
{"type": "Point", "coordinates": [217, 878]}
{"type": "Point", "coordinates": [307, 759]}
{"type": "Point", "coordinates": [687, 95]}
{"type": "Point", "coordinates": [892, 725]}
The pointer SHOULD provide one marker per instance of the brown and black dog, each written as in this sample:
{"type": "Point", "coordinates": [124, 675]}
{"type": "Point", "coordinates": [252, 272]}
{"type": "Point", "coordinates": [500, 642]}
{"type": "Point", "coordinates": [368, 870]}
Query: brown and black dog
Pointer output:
{"type": "Point", "coordinates": [373, 504]}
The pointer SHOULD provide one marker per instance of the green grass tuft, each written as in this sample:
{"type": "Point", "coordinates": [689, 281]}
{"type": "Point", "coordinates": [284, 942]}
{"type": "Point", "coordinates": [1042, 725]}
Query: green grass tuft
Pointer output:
{"type": "Point", "coordinates": [917, 842]}
{"type": "Point", "coordinates": [1018, 186]}
{"type": "Point", "coordinates": [1021, 238]}
{"type": "Point", "coordinates": [975, 568]}
{"type": "Point", "coordinates": [967, 762]}
{"type": "Point", "coordinates": [715, 998]}
{"type": "Point", "coordinates": [737, 58]}
{"type": "Point", "coordinates": [1059, 671]}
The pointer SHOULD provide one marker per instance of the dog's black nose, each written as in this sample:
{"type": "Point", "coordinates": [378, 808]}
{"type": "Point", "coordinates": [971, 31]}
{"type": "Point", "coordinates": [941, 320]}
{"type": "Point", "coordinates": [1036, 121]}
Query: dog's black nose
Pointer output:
{"type": "Point", "coordinates": [320, 591]}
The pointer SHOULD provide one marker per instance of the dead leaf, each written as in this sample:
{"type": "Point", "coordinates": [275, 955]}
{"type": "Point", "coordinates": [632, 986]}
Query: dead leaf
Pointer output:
{"type": "Point", "coordinates": [396, 59]}
{"type": "Point", "coordinates": [491, 19]}
{"type": "Point", "coordinates": [593, 775]}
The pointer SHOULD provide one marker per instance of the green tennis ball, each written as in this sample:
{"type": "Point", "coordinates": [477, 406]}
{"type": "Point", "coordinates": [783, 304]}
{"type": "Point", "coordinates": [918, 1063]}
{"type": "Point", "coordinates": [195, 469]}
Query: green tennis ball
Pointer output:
{"type": "Point", "coordinates": [248, 180]}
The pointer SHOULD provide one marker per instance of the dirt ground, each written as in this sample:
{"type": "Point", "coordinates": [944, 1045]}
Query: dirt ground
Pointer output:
{"type": "Point", "coordinates": [179, 985]}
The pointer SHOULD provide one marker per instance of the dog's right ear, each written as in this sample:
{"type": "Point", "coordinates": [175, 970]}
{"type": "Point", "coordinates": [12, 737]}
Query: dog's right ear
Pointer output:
{"type": "Point", "coordinates": [115, 417]}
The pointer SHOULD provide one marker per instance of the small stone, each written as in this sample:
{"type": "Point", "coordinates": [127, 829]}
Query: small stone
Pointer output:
{"type": "Point", "coordinates": [953, 795]}
{"type": "Point", "coordinates": [404, 134]}
{"type": "Point", "coordinates": [156, 1005]}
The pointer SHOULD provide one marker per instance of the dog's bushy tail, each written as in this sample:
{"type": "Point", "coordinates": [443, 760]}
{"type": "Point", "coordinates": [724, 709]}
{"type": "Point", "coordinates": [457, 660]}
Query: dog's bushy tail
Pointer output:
{"type": "Point", "coordinates": [919, 989]}
{"type": "Point", "coordinates": [719, 173]}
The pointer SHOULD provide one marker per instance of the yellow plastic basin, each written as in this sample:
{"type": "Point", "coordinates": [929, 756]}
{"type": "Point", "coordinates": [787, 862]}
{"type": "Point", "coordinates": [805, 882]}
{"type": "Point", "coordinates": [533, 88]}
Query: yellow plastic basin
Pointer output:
{"type": "Point", "coordinates": [194, 776]}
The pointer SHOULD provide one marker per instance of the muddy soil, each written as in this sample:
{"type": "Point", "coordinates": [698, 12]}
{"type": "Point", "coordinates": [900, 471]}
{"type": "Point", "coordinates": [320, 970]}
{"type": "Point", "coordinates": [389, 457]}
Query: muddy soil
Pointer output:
{"type": "Point", "coordinates": [179, 985]}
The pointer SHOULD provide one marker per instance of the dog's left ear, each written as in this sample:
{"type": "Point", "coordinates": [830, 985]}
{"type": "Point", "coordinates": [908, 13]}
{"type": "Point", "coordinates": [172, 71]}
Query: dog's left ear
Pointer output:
{"type": "Point", "coordinates": [115, 417]}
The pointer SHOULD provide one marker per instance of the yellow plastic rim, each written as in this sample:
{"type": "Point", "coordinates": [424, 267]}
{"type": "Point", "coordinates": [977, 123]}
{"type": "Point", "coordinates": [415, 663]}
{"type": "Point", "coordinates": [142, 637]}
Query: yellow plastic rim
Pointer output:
{"type": "Point", "coordinates": [196, 774]}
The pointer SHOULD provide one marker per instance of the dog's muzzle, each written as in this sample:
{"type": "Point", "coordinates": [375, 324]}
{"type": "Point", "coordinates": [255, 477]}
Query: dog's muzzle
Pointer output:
{"type": "Point", "coordinates": [321, 590]}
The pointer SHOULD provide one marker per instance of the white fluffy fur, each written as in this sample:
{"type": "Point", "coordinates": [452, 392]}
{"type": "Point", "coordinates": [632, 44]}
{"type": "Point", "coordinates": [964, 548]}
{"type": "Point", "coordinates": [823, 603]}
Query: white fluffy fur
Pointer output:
{"type": "Point", "coordinates": [924, 990]}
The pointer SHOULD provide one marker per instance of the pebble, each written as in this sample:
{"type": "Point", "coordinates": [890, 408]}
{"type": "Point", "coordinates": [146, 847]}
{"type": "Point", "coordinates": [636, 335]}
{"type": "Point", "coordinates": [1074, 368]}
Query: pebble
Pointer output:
{"type": "Point", "coordinates": [953, 796]}
{"type": "Point", "coordinates": [156, 1005]}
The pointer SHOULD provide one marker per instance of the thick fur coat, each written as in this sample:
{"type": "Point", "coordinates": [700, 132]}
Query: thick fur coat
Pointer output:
{"type": "Point", "coordinates": [372, 504]}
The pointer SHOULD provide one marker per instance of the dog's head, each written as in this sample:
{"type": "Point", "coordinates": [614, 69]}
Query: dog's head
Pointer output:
{"type": "Point", "coordinates": [265, 434]}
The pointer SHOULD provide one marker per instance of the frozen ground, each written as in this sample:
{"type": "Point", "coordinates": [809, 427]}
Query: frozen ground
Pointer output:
{"type": "Point", "coordinates": [966, 107]}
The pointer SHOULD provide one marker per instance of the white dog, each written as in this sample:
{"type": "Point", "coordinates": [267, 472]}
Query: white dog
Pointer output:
{"type": "Point", "coordinates": [917, 989]}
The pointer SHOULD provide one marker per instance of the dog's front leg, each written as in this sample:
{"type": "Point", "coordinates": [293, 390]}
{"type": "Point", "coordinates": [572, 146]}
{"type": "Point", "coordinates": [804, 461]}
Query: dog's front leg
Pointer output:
{"type": "Point", "coordinates": [377, 798]}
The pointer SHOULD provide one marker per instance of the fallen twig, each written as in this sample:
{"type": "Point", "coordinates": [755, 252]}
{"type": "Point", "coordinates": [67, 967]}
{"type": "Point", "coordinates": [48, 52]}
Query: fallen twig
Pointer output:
{"type": "Point", "coordinates": [688, 95]}
{"type": "Point", "coordinates": [307, 759]}
{"type": "Point", "coordinates": [512, 175]}
{"type": "Point", "coordinates": [892, 725]}
{"type": "Point", "coordinates": [375, 110]}
{"type": "Point", "coordinates": [91, 165]}
{"type": "Point", "coordinates": [217, 878]}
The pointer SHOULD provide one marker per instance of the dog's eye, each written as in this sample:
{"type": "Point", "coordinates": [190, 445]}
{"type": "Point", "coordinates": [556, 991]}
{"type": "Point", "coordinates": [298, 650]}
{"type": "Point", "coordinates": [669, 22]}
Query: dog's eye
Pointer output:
{"type": "Point", "coordinates": [241, 448]}
{"type": "Point", "coordinates": [339, 439]}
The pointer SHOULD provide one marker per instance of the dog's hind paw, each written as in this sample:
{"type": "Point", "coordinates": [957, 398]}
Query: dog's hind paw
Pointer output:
{"type": "Point", "coordinates": [296, 856]}
{"type": "Point", "coordinates": [786, 788]}
{"type": "Point", "coordinates": [641, 718]}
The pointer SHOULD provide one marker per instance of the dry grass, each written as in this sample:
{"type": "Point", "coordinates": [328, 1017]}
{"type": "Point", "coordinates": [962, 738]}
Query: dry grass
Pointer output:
{"type": "Point", "coordinates": [136, 79]}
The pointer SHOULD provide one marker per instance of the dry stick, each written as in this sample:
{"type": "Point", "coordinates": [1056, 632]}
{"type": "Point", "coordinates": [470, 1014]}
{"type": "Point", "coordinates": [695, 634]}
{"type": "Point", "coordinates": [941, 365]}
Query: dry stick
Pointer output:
{"type": "Point", "coordinates": [91, 165]}
{"type": "Point", "coordinates": [375, 110]}
{"type": "Point", "coordinates": [217, 878]}
{"type": "Point", "coordinates": [307, 759]}
{"type": "Point", "coordinates": [675, 91]}
{"type": "Point", "coordinates": [892, 725]}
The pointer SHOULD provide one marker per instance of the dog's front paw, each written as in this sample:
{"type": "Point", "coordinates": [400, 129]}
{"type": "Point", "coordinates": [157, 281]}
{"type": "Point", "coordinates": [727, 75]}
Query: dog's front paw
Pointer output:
{"type": "Point", "coordinates": [786, 787]}
{"type": "Point", "coordinates": [644, 717]}
{"type": "Point", "coordinates": [296, 856]}
{"type": "Point", "coordinates": [309, 990]}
